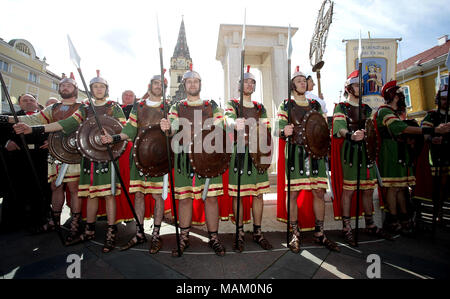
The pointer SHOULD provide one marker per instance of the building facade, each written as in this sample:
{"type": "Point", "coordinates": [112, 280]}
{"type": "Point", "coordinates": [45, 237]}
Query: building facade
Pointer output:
{"type": "Point", "coordinates": [179, 64]}
{"type": "Point", "coordinates": [421, 75]}
{"type": "Point", "coordinates": [24, 72]}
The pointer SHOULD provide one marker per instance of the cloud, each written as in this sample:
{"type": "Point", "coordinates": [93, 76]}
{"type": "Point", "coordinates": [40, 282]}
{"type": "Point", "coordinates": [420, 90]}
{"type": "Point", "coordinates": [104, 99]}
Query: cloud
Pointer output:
{"type": "Point", "coordinates": [119, 40]}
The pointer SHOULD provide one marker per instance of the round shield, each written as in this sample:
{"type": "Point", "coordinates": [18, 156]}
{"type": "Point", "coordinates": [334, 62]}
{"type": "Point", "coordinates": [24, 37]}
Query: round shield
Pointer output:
{"type": "Point", "coordinates": [316, 135]}
{"type": "Point", "coordinates": [90, 144]}
{"type": "Point", "coordinates": [150, 152]}
{"type": "Point", "coordinates": [370, 137]}
{"type": "Point", "coordinates": [261, 152]}
{"type": "Point", "coordinates": [64, 147]}
{"type": "Point", "coordinates": [210, 153]}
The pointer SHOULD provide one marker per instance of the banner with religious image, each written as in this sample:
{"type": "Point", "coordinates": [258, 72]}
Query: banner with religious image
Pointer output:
{"type": "Point", "coordinates": [379, 62]}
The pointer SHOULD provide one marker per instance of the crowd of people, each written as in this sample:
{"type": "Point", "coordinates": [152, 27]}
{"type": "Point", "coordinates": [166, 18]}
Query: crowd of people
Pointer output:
{"type": "Point", "coordinates": [229, 181]}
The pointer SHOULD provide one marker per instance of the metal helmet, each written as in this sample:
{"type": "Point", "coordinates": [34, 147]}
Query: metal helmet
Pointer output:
{"type": "Point", "coordinates": [191, 74]}
{"type": "Point", "coordinates": [70, 80]}
{"type": "Point", "coordinates": [248, 75]}
{"type": "Point", "coordinates": [158, 77]}
{"type": "Point", "coordinates": [99, 79]}
{"type": "Point", "coordinates": [297, 73]}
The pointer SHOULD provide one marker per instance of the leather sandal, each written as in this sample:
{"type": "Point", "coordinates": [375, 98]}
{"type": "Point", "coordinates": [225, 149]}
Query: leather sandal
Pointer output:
{"type": "Point", "coordinates": [133, 242]}
{"type": "Point", "coordinates": [156, 244]}
{"type": "Point", "coordinates": [263, 242]}
{"type": "Point", "coordinates": [324, 241]}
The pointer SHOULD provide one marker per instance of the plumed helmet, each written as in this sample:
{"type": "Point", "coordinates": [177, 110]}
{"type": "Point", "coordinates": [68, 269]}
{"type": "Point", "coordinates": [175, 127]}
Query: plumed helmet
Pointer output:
{"type": "Point", "coordinates": [70, 80]}
{"type": "Point", "coordinates": [191, 74]}
{"type": "Point", "coordinates": [99, 79]}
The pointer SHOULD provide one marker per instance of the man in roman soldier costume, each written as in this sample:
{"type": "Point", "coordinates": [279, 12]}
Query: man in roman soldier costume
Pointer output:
{"type": "Point", "coordinates": [145, 115]}
{"type": "Point", "coordinates": [97, 176]}
{"type": "Point", "coordinates": [347, 133]}
{"type": "Point", "coordinates": [68, 90]}
{"type": "Point", "coordinates": [394, 158]}
{"type": "Point", "coordinates": [254, 178]}
{"type": "Point", "coordinates": [438, 153]}
{"type": "Point", "coordinates": [197, 169]}
{"type": "Point", "coordinates": [308, 179]}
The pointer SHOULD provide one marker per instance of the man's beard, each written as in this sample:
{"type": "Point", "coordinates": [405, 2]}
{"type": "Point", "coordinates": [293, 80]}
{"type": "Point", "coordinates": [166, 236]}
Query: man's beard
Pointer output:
{"type": "Point", "coordinates": [66, 95]}
{"type": "Point", "coordinates": [247, 93]}
{"type": "Point", "coordinates": [193, 93]}
{"type": "Point", "coordinates": [156, 95]}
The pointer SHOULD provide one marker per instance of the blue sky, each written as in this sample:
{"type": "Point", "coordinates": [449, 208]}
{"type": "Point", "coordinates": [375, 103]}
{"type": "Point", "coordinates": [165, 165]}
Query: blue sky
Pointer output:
{"type": "Point", "coordinates": [119, 37]}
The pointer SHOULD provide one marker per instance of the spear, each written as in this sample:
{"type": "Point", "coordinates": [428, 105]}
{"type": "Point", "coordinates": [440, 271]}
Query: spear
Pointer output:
{"type": "Point", "coordinates": [239, 147]}
{"type": "Point", "coordinates": [358, 169]}
{"type": "Point", "coordinates": [76, 61]}
{"type": "Point", "coordinates": [30, 160]}
{"type": "Point", "coordinates": [289, 137]}
{"type": "Point", "coordinates": [172, 189]}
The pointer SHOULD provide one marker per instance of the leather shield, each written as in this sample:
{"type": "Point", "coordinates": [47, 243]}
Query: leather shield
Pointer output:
{"type": "Point", "coordinates": [64, 147]}
{"type": "Point", "coordinates": [89, 142]}
{"type": "Point", "coordinates": [371, 140]}
{"type": "Point", "coordinates": [316, 135]}
{"type": "Point", "coordinates": [207, 158]}
{"type": "Point", "coordinates": [150, 151]}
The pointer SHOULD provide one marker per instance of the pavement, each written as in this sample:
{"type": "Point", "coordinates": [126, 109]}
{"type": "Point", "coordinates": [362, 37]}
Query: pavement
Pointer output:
{"type": "Point", "coordinates": [422, 256]}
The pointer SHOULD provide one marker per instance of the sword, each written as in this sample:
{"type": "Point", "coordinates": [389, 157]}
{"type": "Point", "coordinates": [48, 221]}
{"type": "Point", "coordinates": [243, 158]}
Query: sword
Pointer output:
{"type": "Point", "coordinates": [205, 190]}
{"type": "Point", "coordinates": [329, 177]}
{"type": "Point", "coordinates": [113, 180]}
{"type": "Point", "coordinates": [165, 186]}
{"type": "Point", "coordinates": [380, 181]}
{"type": "Point", "coordinates": [61, 174]}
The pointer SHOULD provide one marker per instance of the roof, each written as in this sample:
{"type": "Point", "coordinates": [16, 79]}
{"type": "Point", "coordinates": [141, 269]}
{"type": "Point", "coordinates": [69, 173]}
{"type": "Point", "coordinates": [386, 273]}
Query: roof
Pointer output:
{"type": "Point", "coordinates": [425, 56]}
{"type": "Point", "coordinates": [181, 48]}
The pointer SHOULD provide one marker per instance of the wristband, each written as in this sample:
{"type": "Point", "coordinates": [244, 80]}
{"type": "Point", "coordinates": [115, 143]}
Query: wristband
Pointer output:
{"type": "Point", "coordinates": [428, 131]}
{"type": "Point", "coordinates": [38, 130]}
{"type": "Point", "coordinates": [116, 138]}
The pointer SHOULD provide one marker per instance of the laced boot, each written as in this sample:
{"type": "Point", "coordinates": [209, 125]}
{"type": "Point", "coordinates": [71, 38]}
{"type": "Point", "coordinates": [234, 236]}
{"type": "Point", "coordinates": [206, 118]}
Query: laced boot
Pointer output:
{"type": "Point", "coordinates": [184, 242]}
{"type": "Point", "coordinates": [215, 243]}
{"type": "Point", "coordinates": [110, 238]}
{"type": "Point", "coordinates": [239, 246]}
{"type": "Point", "coordinates": [156, 242]}
{"type": "Point", "coordinates": [258, 237]}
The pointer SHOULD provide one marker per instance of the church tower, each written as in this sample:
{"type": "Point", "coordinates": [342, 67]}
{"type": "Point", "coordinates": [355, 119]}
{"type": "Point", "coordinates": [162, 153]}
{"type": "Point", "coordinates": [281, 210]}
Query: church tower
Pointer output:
{"type": "Point", "coordinates": [179, 64]}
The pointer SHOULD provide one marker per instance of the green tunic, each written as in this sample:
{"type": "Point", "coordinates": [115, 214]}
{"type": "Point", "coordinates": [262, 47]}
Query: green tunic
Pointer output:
{"type": "Point", "coordinates": [394, 161]}
{"type": "Point", "coordinates": [306, 173]}
{"type": "Point", "coordinates": [93, 181]}
{"type": "Point", "coordinates": [349, 153]}
{"type": "Point", "coordinates": [438, 151]}
{"type": "Point", "coordinates": [253, 183]}
{"type": "Point", "coordinates": [187, 183]}
{"type": "Point", "coordinates": [139, 182]}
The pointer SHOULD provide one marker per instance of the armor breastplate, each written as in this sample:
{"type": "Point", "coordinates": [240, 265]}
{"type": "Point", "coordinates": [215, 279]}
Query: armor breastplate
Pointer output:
{"type": "Point", "coordinates": [61, 111]}
{"type": "Point", "coordinates": [188, 112]}
{"type": "Point", "coordinates": [353, 117]}
{"type": "Point", "coordinates": [297, 115]}
{"type": "Point", "coordinates": [250, 113]}
{"type": "Point", "coordinates": [106, 109]}
{"type": "Point", "coordinates": [149, 115]}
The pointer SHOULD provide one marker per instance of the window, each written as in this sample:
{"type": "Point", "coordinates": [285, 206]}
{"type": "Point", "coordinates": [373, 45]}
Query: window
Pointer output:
{"type": "Point", "coordinates": [32, 77]}
{"type": "Point", "coordinates": [179, 79]}
{"type": "Point", "coordinates": [23, 48]}
{"type": "Point", "coordinates": [444, 80]}
{"type": "Point", "coordinates": [54, 85]}
{"type": "Point", "coordinates": [4, 66]}
{"type": "Point", "coordinates": [407, 96]}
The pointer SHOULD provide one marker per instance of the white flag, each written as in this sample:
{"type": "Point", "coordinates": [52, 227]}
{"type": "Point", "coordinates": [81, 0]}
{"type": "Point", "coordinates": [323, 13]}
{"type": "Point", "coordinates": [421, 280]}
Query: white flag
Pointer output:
{"type": "Point", "coordinates": [73, 53]}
